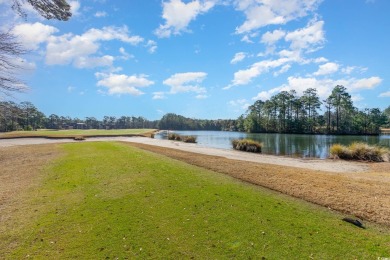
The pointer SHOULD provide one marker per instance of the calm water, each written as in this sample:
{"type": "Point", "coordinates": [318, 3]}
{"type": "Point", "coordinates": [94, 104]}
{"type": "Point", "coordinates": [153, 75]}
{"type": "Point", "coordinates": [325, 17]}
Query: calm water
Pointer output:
{"type": "Point", "coordinates": [281, 144]}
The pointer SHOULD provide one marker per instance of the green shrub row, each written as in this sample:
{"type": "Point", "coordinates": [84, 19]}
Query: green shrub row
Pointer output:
{"type": "Point", "coordinates": [360, 151]}
{"type": "Point", "coordinates": [186, 138]}
{"type": "Point", "coordinates": [247, 145]}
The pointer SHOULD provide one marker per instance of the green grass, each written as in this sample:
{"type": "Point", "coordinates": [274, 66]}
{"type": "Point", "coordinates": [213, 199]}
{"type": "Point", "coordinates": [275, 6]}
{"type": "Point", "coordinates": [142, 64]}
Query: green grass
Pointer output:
{"type": "Point", "coordinates": [110, 200]}
{"type": "Point", "coordinates": [75, 132]}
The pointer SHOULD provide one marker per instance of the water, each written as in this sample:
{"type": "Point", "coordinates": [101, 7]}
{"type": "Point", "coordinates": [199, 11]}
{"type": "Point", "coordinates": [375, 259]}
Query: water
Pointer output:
{"type": "Point", "coordinates": [304, 146]}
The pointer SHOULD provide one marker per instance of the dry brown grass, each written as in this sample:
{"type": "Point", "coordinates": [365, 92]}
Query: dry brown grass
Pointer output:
{"type": "Point", "coordinates": [365, 195]}
{"type": "Point", "coordinates": [20, 171]}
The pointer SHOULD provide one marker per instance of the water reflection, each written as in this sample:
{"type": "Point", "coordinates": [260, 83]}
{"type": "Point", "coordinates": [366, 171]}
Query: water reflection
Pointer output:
{"type": "Point", "coordinates": [282, 144]}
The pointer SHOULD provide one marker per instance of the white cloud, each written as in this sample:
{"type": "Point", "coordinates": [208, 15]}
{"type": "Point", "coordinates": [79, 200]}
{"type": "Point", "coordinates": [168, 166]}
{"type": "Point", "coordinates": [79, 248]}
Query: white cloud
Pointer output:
{"type": "Point", "coordinates": [320, 60]}
{"type": "Point", "coordinates": [271, 38]}
{"type": "Point", "coordinates": [125, 55]}
{"type": "Point", "coordinates": [76, 49]}
{"type": "Point", "coordinates": [385, 94]}
{"type": "Point", "coordinates": [186, 82]}
{"type": "Point", "coordinates": [284, 69]}
{"type": "Point", "coordinates": [365, 83]}
{"type": "Point", "coordinates": [74, 7]}
{"type": "Point", "coordinates": [152, 45]}
{"type": "Point", "coordinates": [327, 68]}
{"type": "Point", "coordinates": [324, 86]}
{"type": "Point", "coordinates": [309, 38]}
{"type": "Point", "coordinates": [244, 77]}
{"type": "Point", "coordinates": [238, 57]}
{"type": "Point", "coordinates": [31, 35]}
{"type": "Point", "coordinates": [158, 95]}
{"type": "Point", "coordinates": [260, 13]}
{"type": "Point", "coordinates": [118, 84]}
{"type": "Point", "coordinates": [201, 96]}
{"type": "Point", "coordinates": [92, 62]}
{"type": "Point", "coordinates": [100, 14]}
{"type": "Point", "coordinates": [246, 39]}
{"type": "Point", "coordinates": [357, 98]}
{"type": "Point", "coordinates": [241, 103]}
{"type": "Point", "coordinates": [266, 95]}
{"type": "Point", "coordinates": [178, 15]}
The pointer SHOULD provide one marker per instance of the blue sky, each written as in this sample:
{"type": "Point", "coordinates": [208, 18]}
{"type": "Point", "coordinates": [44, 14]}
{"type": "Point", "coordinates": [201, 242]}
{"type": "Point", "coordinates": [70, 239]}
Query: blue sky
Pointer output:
{"type": "Point", "coordinates": [200, 58]}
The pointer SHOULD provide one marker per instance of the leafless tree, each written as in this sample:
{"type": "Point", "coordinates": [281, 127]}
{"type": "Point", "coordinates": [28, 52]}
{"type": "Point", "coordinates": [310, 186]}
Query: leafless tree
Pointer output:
{"type": "Point", "coordinates": [10, 52]}
{"type": "Point", "coordinates": [49, 9]}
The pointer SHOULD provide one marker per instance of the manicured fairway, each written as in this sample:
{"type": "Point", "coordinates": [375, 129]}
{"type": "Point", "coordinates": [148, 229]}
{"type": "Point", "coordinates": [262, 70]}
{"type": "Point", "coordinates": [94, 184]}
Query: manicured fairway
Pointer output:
{"type": "Point", "coordinates": [110, 200]}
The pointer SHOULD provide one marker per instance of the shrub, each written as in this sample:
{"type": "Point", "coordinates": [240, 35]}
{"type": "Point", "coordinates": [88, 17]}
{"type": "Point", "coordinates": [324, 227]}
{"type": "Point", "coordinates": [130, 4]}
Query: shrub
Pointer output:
{"type": "Point", "coordinates": [189, 139]}
{"type": "Point", "coordinates": [360, 152]}
{"type": "Point", "coordinates": [247, 145]}
{"type": "Point", "coordinates": [175, 137]}
{"type": "Point", "coordinates": [79, 138]}
{"type": "Point", "coordinates": [338, 151]}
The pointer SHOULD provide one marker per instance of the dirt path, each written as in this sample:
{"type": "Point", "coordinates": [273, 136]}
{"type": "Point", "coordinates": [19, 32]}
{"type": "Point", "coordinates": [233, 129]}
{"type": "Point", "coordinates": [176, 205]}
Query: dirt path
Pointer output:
{"type": "Point", "coordinates": [313, 164]}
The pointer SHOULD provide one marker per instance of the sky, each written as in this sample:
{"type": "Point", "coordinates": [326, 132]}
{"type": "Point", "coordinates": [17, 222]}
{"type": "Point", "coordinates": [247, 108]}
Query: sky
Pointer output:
{"type": "Point", "coordinates": [207, 59]}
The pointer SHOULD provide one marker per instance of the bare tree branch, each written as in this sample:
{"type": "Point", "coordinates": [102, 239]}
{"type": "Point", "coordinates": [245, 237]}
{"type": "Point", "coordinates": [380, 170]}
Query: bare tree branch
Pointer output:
{"type": "Point", "coordinates": [10, 52]}
{"type": "Point", "coordinates": [49, 9]}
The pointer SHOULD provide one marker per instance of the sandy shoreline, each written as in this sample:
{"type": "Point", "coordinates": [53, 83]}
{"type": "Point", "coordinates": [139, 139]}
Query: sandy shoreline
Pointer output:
{"type": "Point", "coordinates": [312, 164]}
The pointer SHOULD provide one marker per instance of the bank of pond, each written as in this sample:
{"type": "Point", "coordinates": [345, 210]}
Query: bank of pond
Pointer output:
{"type": "Point", "coordinates": [294, 145]}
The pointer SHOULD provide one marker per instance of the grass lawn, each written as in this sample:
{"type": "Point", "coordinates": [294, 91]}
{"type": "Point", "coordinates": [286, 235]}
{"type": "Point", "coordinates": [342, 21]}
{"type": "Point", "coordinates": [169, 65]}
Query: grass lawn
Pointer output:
{"type": "Point", "coordinates": [75, 132]}
{"type": "Point", "coordinates": [111, 200]}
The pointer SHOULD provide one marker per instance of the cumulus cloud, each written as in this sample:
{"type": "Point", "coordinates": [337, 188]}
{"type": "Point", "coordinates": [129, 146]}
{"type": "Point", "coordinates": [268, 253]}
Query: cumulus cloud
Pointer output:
{"type": "Point", "coordinates": [118, 84]}
{"type": "Point", "coordinates": [260, 13]}
{"type": "Point", "coordinates": [303, 40]}
{"type": "Point", "coordinates": [76, 49]}
{"type": "Point", "coordinates": [240, 56]}
{"type": "Point", "coordinates": [309, 38]}
{"type": "Point", "coordinates": [32, 35]}
{"type": "Point", "coordinates": [327, 68]}
{"type": "Point", "coordinates": [324, 86]}
{"type": "Point", "coordinates": [271, 38]}
{"type": "Point", "coordinates": [186, 82]}
{"type": "Point", "coordinates": [178, 15]}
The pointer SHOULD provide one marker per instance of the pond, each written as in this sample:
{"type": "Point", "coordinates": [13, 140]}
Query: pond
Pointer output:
{"type": "Point", "coordinates": [304, 146]}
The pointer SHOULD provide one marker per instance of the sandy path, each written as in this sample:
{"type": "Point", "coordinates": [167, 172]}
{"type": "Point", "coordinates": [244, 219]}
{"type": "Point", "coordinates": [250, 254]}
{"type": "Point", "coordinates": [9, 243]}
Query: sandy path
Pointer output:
{"type": "Point", "coordinates": [312, 164]}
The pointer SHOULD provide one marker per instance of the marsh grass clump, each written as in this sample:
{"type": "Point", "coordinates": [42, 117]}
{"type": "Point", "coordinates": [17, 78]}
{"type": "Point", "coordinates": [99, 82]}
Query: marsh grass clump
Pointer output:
{"type": "Point", "coordinates": [189, 139]}
{"type": "Point", "coordinates": [174, 137]}
{"type": "Point", "coordinates": [79, 138]}
{"type": "Point", "coordinates": [186, 138]}
{"type": "Point", "coordinates": [361, 152]}
{"type": "Point", "coordinates": [247, 145]}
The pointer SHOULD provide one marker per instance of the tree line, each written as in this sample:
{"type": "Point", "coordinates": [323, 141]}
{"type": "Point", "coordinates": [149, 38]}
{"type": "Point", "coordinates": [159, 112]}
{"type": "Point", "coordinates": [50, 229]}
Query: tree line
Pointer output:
{"type": "Point", "coordinates": [287, 112]}
{"type": "Point", "coordinates": [25, 116]}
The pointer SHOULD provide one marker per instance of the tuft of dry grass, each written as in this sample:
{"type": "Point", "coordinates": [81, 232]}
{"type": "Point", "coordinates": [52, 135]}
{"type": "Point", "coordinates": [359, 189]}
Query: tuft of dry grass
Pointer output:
{"type": "Point", "coordinates": [247, 145]}
{"type": "Point", "coordinates": [360, 151]}
{"type": "Point", "coordinates": [186, 138]}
